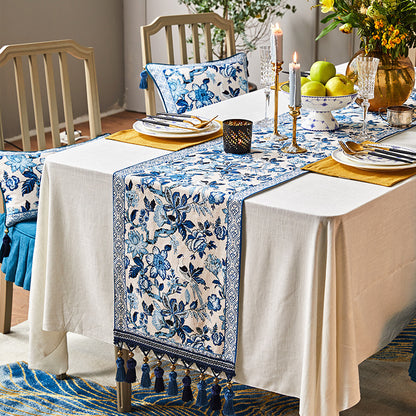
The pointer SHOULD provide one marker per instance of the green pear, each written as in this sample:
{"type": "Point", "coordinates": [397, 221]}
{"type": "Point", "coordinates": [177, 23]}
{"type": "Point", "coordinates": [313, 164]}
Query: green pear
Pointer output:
{"type": "Point", "coordinates": [322, 71]}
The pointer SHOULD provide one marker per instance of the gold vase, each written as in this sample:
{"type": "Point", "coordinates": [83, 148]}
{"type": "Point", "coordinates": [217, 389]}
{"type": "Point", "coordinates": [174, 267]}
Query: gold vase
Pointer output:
{"type": "Point", "coordinates": [395, 79]}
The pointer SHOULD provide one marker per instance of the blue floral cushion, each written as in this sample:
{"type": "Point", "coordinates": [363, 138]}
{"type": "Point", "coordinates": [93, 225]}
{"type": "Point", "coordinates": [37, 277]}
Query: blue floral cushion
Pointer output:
{"type": "Point", "coordinates": [20, 175]}
{"type": "Point", "coordinates": [186, 87]}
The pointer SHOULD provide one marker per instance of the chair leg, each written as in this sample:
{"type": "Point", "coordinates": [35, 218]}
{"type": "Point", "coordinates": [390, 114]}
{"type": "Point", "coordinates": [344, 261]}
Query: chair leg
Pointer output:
{"type": "Point", "coordinates": [6, 299]}
{"type": "Point", "coordinates": [123, 389]}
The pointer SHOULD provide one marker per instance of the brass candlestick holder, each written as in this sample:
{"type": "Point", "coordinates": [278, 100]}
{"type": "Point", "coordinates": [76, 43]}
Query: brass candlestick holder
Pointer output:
{"type": "Point", "coordinates": [277, 67]}
{"type": "Point", "coordinates": [293, 147]}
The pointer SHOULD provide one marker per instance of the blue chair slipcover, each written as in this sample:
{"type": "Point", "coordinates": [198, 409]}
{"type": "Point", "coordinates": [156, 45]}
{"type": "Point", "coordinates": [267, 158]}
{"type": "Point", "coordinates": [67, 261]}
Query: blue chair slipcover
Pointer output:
{"type": "Point", "coordinates": [17, 267]}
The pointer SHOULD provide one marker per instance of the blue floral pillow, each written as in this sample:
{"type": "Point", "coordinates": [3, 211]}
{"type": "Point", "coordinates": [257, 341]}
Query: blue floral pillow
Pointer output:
{"type": "Point", "coordinates": [20, 175]}
{"type": "Point", "coordinates": [20, 183]}
{"type": "Point", "coordinates": [186, 87]}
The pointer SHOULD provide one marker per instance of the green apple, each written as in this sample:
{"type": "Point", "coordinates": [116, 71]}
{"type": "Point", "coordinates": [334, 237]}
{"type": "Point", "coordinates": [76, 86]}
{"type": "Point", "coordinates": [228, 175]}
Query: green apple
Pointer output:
{"type": "Point", "coordinates": [304, 80]}
{"type": "Point", "coordinates": [322, 71]}
{"type": "Point", "coordinates": [313, 88]}
{"type": "Point", "coordinates": [339, 85]}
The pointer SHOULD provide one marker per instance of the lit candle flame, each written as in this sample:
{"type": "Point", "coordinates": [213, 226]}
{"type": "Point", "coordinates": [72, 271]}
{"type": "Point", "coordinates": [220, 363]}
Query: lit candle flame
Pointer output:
{"type": "Point", "coordinates": [295, 57]}
{"type": "Point", "coordinates": [276, 28]}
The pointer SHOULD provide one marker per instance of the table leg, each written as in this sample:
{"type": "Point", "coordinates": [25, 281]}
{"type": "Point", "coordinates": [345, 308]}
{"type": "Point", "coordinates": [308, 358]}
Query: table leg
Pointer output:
{"type": "Point", "coordinates": [6, 299]}
{"type": "Point", "coordinates": [123, 389]}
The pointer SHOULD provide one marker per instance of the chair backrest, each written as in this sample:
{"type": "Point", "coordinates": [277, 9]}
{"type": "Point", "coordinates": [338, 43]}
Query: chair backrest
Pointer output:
{"type": "Point", "coordinates": [195, 22]}
{"type": "Point", "coordinates": [19, 53]}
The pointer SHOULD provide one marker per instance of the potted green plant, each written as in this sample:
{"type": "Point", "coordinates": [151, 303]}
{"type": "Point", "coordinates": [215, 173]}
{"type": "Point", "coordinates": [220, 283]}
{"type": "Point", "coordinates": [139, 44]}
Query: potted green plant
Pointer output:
{"type": "Point", "coordinates": [252, 19]}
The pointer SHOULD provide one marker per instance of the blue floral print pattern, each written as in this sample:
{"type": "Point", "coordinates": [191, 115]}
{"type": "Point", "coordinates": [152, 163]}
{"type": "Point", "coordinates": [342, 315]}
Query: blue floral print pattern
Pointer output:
{"type": "Point", "coordinates": [177, 242]}
{"type": "Point", "coordinates": [20, 183]}
{"type": "Point", "coordinates": [186, 87]}
{"type": "Point", "coordinates": [20, 177]}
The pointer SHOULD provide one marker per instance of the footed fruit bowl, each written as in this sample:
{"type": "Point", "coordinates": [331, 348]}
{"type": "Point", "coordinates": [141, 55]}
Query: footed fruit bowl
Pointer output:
{"type": "Point", "coordinates": [320, 117]}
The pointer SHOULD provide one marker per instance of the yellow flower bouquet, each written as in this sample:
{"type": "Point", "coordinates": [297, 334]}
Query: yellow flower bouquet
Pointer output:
{"type": "Point", "coordinates": [387, 26]}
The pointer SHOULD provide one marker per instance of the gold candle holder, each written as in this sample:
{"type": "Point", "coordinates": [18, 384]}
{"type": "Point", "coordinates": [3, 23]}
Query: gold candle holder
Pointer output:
{"type": "Point", "coordinates": [293, 147]}
{"type": "Point", "coordinates": [277, 67]}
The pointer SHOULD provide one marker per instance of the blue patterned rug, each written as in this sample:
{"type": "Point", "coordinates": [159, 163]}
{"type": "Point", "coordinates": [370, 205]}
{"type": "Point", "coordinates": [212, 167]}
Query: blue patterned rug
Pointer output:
{"type": "Point", "coordinates": [27, 392]}
{"type": "Point", "coordinates": [30, 392]}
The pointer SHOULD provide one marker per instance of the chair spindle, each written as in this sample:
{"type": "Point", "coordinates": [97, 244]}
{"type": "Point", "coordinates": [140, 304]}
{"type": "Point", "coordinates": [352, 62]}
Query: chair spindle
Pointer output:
{"type": "Point", "coordinates": [52, 101]}
{"type": "Point", "coordinates": [22, 103]}
{"type": "Point", "coordinates": [37, 101]}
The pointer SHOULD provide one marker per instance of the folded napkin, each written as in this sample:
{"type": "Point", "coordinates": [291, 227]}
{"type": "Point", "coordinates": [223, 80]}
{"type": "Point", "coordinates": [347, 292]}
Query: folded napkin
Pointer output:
{"type": "Point", "coordinates": [134, 137]}
{"type": "Point", "coordinates": [329, 166]}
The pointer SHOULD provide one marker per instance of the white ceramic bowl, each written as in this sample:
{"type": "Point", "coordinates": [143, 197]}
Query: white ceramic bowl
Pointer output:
{"type": "Point", "coordinates": [320, 117]}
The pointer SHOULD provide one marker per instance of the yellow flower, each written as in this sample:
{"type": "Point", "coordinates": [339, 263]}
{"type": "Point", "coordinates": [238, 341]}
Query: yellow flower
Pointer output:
{"type": "Point", "coordinates": [378, 24]}
{"type": "Point", "coordinates": [346, 28]}
{"type": "Point", "coordinates": [327, 6]}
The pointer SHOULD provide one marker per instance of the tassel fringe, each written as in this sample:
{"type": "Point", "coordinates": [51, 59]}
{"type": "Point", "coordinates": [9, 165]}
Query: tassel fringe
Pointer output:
{"type": "Point", "coordinates": [143, 80]}
{"type": "Point", "coordinates": [187, 395]}
{"type": "Point", "coordinates": [173, 384]}
{"type": "Point", "coordinates": [145, 380]}
{"type": "Point", "coordinates": [202, 398]}
{"type": "Point", "coordinates": [121, 372]}
{"type": "Point", "coordinates": [131, 369]}
{"type": "Point", "coordinates": [228, 409]}
{"type": "Point", "coordinates": [159, 384]}
{"type": "Point", "coordinates": [5, 247]}
{"type": "Point", "coordinates": [215, 401]}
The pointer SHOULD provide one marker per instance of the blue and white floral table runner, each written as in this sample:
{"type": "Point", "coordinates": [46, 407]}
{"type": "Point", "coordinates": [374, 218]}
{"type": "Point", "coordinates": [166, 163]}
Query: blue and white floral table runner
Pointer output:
{"type": "Point", "coordinates": [177, 239]}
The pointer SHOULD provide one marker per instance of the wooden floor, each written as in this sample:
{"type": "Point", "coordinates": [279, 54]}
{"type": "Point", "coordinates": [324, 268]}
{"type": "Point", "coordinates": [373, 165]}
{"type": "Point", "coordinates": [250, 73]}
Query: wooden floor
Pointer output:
{"type": "Point", "coordinates": [110, 124]}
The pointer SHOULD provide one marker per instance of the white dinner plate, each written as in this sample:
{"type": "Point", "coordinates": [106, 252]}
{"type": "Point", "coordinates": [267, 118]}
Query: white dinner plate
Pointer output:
{"type": "Point", "coordinates": [170, 133]}
{"type": "Point", "coordinates": [172, 123]}
{"type": "Point", "coordinates": [372, 163]}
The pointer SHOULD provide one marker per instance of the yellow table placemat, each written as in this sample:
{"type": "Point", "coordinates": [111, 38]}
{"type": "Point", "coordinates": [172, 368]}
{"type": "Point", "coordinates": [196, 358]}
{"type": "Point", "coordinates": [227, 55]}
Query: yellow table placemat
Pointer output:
{"type": "Point", "coordinates": [329, 166]}
{"type": "Point", "coordinates": [133, 137]}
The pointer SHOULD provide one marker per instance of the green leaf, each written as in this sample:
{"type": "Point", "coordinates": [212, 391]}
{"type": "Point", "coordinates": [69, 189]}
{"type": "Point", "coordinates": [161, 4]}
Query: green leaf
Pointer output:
{"type": "Point", "coordinates": [328, 29]}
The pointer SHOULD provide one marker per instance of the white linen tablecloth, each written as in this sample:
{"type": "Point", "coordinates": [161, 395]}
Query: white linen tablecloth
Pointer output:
{"type": "Point", "coordinates": [328, 269]}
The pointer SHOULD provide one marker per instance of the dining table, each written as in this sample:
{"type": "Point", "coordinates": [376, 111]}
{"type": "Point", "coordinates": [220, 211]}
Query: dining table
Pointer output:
{"type": "Point", "coordinates": [328, 267]}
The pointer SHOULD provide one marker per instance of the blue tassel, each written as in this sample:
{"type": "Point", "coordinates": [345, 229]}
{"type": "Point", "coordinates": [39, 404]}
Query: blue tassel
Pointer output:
{"type": "Point", "coordinates": [131, 369]}
{"type": "Point", "coordinates": [202, 398]}
{"type": "Point", "coordinates": [173, 385]}
{"type": "Point", "coordinates": [187, 395]}
{"type": "Point", "coordinates": [145, 380]}
{"type": "Point", "coordinates": [121, 372]}
{"type": "Point", "coordinates": [215, 401]}
{"type": "Point", "coordinates": [143, 80]}
{"type": "Point", "coordinates": [228, 409]}
{"type": "Point", "coordinates": [159, 384]}
{"type": "Point", "coordinates": [5, 247]}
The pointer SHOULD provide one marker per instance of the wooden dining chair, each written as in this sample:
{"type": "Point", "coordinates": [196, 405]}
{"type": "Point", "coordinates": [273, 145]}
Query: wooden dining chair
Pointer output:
{"type": "Point", "coordinates": [200, 24]}
{"type": "Point", "coordinates": [46, 99]}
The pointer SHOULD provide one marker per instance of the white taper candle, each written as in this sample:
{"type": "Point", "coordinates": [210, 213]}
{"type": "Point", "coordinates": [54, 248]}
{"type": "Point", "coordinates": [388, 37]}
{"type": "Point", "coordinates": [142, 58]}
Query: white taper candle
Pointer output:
{"type": "Point", "coordinates": [294, 83]}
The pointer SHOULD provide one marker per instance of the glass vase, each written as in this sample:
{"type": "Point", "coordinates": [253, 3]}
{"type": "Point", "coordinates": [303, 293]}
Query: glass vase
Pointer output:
{"type": "Point", "coordinates": [395, 79]}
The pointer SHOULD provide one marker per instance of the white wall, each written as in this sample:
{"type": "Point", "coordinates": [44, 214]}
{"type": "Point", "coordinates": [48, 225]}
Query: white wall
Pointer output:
{"type": "Point", "coordinates": [134, 17]}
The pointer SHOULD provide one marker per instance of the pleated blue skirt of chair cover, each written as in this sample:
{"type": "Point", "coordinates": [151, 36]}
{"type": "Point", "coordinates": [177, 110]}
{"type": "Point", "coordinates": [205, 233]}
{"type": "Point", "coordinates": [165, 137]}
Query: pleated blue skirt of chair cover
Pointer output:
{"type": "Point", "coordinates": [17, 267]}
